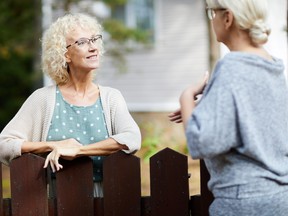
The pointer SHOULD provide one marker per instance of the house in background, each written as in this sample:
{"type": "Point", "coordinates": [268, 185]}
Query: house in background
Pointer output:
{"type": "Point", "coordinates": [178, 55]}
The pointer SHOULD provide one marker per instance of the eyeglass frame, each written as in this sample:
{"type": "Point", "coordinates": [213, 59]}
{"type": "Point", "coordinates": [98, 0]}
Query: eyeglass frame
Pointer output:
{"type": "Point", "coordinates": [211, 12]}
{"type": "Point", "coordinates": [88, 39]}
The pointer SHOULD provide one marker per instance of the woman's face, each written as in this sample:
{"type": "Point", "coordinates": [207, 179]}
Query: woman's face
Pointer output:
{"type": "Point", "coordinates": [222, 22]}
{"type": "Point", "coordinates": [83, 50]}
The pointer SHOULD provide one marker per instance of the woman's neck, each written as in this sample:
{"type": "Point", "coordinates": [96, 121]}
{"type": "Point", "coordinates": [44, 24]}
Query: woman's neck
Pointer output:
{"type": "Point", "coordinates": [80, 89]}
{"type": "Point", "coordinates": [241, 42]}
{"type": "Point", "coordinates": [80, 93]}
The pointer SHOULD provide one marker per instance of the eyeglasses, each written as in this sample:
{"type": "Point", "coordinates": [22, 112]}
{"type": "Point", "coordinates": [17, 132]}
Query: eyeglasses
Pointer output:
{"type": "Point", "coordinates": [211, 12]}
{"type": "Point", "coordinates": [82, 42]}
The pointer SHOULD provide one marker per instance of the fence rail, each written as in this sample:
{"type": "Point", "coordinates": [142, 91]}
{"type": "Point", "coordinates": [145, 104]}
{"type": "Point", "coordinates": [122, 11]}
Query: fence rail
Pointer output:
{"type": "Point", "coordinates": [169, 188]}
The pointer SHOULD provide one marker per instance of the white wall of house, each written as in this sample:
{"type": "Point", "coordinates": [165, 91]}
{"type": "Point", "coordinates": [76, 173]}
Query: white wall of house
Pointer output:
{"type": "Point", "coordinates": [156, 76]}
{"type": "Point", "coordinates": [277, 44]}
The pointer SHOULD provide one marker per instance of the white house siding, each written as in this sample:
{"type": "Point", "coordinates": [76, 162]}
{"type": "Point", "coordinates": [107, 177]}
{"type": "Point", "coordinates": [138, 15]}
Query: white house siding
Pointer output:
{"type": "Point", "coordinates": [277, 44]}
{"type": "Point", "coordinates": [179, 57]}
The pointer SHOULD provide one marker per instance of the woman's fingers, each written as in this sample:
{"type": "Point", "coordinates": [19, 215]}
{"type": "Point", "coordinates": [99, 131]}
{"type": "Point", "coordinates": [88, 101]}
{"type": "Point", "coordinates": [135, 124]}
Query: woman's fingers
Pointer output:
{"type": "Point", "coordinates": [179, 121]}
{"type": "Point", "coordinates": [55, 163]}
{"type": "Point", "coordinates": [46, 162]}
{"type": "Point", "coordinates": [52, 166]}
{"type": "Point", "coordinates": [53, 160]}
{"type": "Point", "coordinates": [175, 116]}
{"type": "Point", "coordinates": [206, 77]}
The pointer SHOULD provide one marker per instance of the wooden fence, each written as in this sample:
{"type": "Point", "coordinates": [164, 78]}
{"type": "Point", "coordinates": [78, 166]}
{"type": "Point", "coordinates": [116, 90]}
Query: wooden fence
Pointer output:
{"type": "Point", "coordinates": [122, 188]}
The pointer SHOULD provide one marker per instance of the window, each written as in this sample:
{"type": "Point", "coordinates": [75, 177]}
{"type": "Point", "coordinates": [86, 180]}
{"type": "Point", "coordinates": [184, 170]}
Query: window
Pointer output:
{"type": "Point", "coordinates": [137, 14]}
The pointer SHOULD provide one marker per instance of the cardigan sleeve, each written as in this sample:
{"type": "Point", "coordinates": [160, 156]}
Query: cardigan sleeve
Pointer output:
{"type": "Point", "coordinates": [26, 125]}
{"type": "Point", "coordinates": [123, 127]}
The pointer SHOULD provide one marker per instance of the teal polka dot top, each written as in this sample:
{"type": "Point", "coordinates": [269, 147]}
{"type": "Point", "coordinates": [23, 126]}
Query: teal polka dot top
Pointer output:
{"type": "Point", "coordinates": [86, 124]}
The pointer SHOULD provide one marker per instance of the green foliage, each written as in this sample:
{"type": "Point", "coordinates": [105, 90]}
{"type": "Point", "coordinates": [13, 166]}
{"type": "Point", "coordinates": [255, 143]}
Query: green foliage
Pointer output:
{"type": "Point", "coordinates": [121, 33]}
{"type": "Point", "coordinates": [114, 3]}
{"type": "Point", "coordinates": [16, 55]}
{"type": "Point", "coordinates": [6, 188]}
{"type": "Point", "coordinates": [16, 23]}
{"type": "Point", "coordinates": [152, 138]}
{"type": "Point", "coordinates": [150, 146]}
{"type": "Point", "coordinates": [15, 83]}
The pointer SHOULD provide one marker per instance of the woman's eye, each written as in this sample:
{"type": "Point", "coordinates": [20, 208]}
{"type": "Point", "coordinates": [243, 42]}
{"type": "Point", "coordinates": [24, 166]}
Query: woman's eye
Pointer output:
{"type": "Point", "coordinates": [81, 42]}
{"type": "Point", "coordinates": [93, 40]}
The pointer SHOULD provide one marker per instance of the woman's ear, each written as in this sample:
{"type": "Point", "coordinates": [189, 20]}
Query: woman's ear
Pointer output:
{"type": "Point", "coordinates": [67, 56]}
{"type": "Point", "coordinates": [229, 18]}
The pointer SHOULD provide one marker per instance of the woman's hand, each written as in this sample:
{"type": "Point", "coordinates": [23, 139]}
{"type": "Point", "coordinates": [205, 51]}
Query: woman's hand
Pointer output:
{"type": "Point", "coordinates": [193, 92]}
{"type": "Point", "coordinates": [175, 116]}
{"type": "Point", "coordinates": [67, 149]}
{"type": "Point", "coordinates": [188, 98]}
{"type": "Point", "coordinates": [66, 143]}
{"type": "Point", "coordinates": [188, 101]}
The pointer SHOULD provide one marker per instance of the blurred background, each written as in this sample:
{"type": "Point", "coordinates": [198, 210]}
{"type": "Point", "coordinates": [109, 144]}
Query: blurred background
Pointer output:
{"type": "Point", "coordinates": [154, 49]}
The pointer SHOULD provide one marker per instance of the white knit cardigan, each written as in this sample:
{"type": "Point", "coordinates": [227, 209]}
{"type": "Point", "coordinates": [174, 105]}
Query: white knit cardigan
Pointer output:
{"type": "Point", "coordinates": [32, 122]}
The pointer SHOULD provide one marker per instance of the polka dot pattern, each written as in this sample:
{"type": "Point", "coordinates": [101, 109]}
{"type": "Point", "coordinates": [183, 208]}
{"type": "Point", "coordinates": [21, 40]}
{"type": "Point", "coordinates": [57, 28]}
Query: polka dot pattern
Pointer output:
{"type": "Point", "coordinates": [85, 124]}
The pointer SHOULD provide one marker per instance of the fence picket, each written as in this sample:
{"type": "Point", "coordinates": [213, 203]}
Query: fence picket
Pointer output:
{"type": "Point", "coordinates": [122, 188]}
{"type": "Point", "coordinates": [169, 184]}
{"type": "Point", "coordinates": [74, 188]}
{"type": "Point", "coordinates": [122, 185]}
{"type": "Point", "coordinates": [28, 186]}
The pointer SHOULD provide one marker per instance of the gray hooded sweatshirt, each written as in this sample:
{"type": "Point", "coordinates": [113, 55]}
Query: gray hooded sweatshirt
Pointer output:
{"type": "Point", "coordinates": [240, 127]}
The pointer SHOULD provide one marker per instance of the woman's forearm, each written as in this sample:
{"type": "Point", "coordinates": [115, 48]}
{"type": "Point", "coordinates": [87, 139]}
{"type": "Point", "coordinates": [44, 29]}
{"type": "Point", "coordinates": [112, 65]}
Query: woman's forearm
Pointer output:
{"type": "Point", "coordinates": [188, 99]}
{"type": "Point", "coordinates": [42, 147]}
{"type": "Point", "coordinates": [187, 104]}
{"type": "Point", "coordinates": [75, 150]}
{"type": "Point", "coordinates": [105, 147]}
{"type": "Point", "coordinates": [36, 147]}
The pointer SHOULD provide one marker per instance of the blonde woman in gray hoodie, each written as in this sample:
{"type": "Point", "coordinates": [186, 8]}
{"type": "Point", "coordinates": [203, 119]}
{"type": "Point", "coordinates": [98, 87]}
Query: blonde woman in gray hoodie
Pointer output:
{"type": "Point", "coordinates": [240, 125]}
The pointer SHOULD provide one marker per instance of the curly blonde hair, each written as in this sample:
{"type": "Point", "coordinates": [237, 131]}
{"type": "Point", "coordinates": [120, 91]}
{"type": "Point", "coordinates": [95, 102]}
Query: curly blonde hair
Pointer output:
{"type": "Point", "coordinates": [54, 44]}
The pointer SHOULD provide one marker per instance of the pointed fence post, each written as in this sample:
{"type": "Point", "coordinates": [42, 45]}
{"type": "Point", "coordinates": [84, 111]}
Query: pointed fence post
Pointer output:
{"type": "Point", "coordinates": [169, 184]}
{"type": "Point", "coordinates": [74, 187]}
{"type": "Point", "coordinates": [28, 186]}
{"type": "Point", "coordinates": [122, 185]}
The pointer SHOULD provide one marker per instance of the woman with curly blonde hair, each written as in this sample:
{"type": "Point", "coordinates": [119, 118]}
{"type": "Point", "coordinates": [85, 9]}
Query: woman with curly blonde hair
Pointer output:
{"type": "Point", "coordinates": [54, 45]}
{"type": "Point", "coordinates": [240, 125]}
{"type": "Point", "coordinates": [73, 117]}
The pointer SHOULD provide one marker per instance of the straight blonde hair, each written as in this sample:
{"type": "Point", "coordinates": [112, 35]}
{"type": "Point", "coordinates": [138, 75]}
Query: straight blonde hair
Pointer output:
{"type": "Point", "coordinates": [250, 15]}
